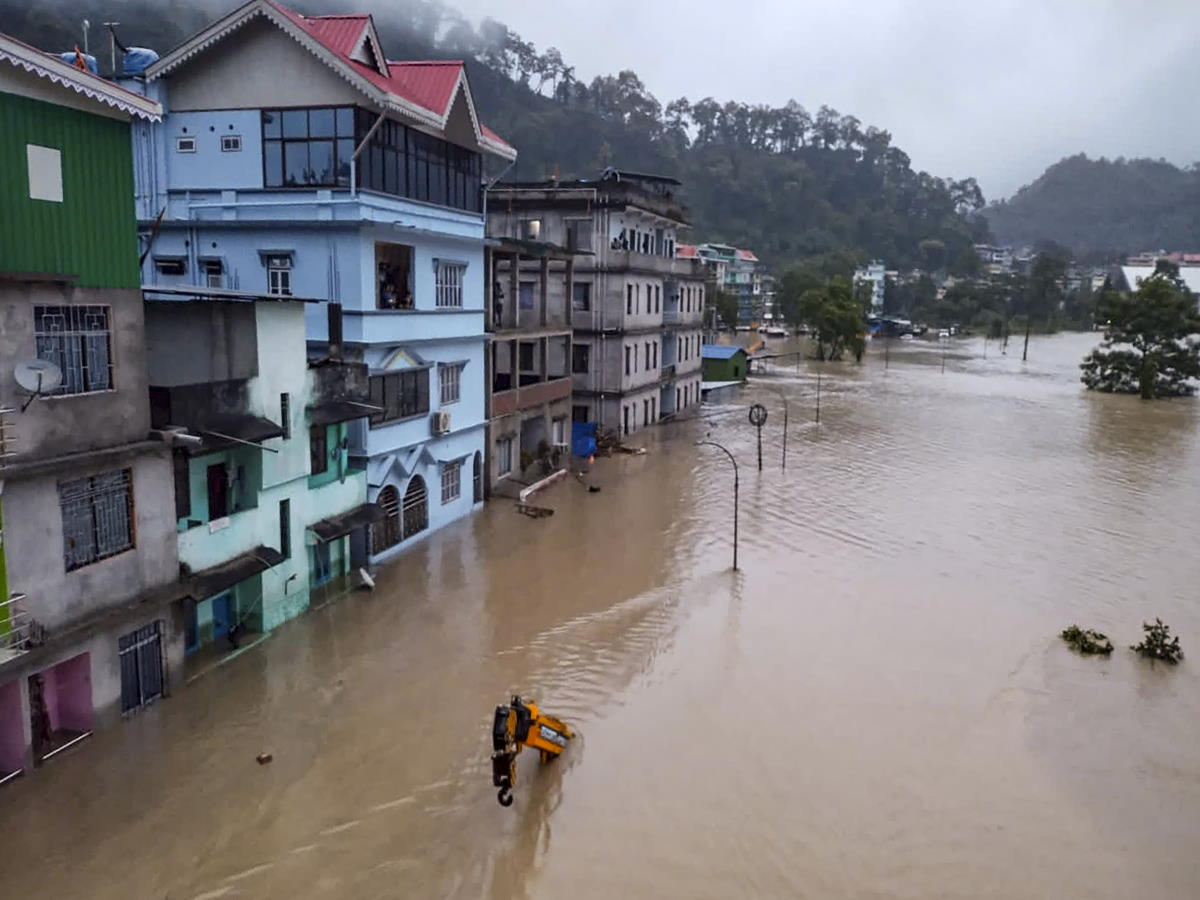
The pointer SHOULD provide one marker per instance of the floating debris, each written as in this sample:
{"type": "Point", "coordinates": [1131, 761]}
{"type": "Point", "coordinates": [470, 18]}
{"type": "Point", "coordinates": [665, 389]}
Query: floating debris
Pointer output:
{"type": "Point", "coordinates": [1087, 641]}
{"type": "Point", "coordinates": [264, 758]}
{"type": "Point", "coordinates": [1158, 643]}
{"type": "Point", "coordinates": [534, 512]}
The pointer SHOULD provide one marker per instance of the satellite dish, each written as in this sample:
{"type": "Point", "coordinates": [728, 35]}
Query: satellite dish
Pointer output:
{"type": "Point", "coordinates": [38, 376]}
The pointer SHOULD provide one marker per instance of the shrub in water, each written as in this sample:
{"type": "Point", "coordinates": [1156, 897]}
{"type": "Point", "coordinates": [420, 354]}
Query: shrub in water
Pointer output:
{"type": "Point", "coordinates": [1158, 643]}
{"type": "Point", "coordinates": [1086, 640]}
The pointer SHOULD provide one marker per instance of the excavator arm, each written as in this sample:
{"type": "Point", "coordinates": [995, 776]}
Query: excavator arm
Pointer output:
{"type": "Point", "coordinates": [516, 726]}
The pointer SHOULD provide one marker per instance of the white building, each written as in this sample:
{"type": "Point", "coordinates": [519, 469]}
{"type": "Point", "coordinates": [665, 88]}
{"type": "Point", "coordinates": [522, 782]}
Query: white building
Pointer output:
{"type": "Point", "coordinates": [874, 274]}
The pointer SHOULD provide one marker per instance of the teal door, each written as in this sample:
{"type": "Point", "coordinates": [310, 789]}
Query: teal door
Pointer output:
{"type": "Point", "coordinates": [222, 615]}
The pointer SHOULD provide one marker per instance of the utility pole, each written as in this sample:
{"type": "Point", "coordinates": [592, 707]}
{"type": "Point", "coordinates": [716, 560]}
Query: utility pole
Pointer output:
{"type": "Point", "coordinates": [818, 397]}
{"type": "Point", "coordinates": [735, 495]}
{"type": "Point", "coordinates": [783, 397]}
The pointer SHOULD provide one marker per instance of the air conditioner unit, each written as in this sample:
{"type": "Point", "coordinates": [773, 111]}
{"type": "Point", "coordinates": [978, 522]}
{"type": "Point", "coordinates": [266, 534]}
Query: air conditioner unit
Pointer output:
{"type": "Point", "coordinates": [441, 422]}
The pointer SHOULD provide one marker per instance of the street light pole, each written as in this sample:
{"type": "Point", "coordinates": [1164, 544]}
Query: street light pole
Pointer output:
{"type": "Point", "coordinates": [735, 494]}
{"type": "Point", "coordinates": [783, 397]}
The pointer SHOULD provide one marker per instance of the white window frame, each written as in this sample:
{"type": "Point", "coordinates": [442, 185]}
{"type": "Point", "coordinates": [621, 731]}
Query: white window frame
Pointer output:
{"type": "Point", "coordinates": [279, 273]}
{"type": "Point", "coordinates": [231, 143]}
{"type": "Point", "coordinates": [185, 144]}
{"type": "Point", "coordinates": [450, 383]}
{"type": "Point", "coordinates": [451, 481]}
{"type": "Point", "coordinates": [504, 455]}
{"type": "Point", "coordinates": [448, 283]}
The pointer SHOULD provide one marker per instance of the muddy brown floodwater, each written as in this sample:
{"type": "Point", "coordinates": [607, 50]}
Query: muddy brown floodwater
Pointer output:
{"type": "Point", "coordinates": [877, 705]}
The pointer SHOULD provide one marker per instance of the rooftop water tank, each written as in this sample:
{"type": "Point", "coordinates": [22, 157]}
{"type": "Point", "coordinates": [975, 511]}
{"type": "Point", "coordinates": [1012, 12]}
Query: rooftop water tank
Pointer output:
{"type": "Point", "coordinates": [138, 60]}
{"type": "Point", "coordinates": [89, 60]}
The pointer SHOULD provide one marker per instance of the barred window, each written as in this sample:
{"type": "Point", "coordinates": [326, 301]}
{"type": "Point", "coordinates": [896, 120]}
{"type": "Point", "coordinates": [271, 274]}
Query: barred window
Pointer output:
{"type": "Point", "coordinates": [451, 481]}
{"type": "Point", "coordinates": [399, 395]}
{"type": "Point", "coordinates": [449, 380]}
{"type": "Point", "coordinates": [450, 284]}
{"type": "Point", "coordinates": [77, 339]}
{"type": "Point", "coordinates": [97, 517]}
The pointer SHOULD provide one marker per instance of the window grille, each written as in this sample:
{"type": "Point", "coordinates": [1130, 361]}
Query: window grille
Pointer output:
{"type": "Point", "coordinates": [97, 517]}
{"type": "Point", "coordinates": [77, 340]}
{"type": "Point", "coordinates": [449, 286]}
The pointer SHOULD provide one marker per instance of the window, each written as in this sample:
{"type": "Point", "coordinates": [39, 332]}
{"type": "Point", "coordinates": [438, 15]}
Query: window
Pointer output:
{"type": "Point", "coordinates": [285, 415]}
{"type": "Point", "coordinates": [387, 533]}
{"type": "Point", "coordinates": [97, 517]}
{"type": "Point", "coordinates": [581, 358]}
{"type": "Point", "coordinates": [449, 286]}
{"type": "Point", "coordinates": [318, 449]}
{"type": "Point", "coordinates": [449, 382]}
{"type": "Point", "coordinates": [399, 395]}
{"type": "Point", "coordinates": [477, 479]}
{"type": "Point", "coordinates": [400, 161]}
{"type": "Point", "coordinates": [657, 298]}
{"type": "Point", "coordinates": [637, 299]}
{"type": "Point", "coordinates": [285, 528]}
{"type": "Point", "coordinates": [77, 339]}
{"type": "Point", "coordinates": [416, 507]}
{"type": "Point", "coordinates": [579, 413]}
{"type": "Point", "coordinates": [279, 274]}
{"type": "Point", "coordinates": [504, 456]}
{"type": "Point", "coordinates": [185, 145]}
{"type": "Point", "coordinates": [393, 276]}
{"type": "Point", "coordinates": [306, 147]}
{"type": "Point", "coordinates": [214, 272]}
{"type": "Point", "coordinates": [627, 349]}
{"type": "Point", "coordinates": [579, 234]}
{"type": "Point", "coordinates": [170, 265]}
{"type": "Point", "coordinates": [44, 165]}
{"type": "Point", "coordinates": [531, 229]}
{"type": "Point", "coordinates": [647, 351]}
{"type": "Point", "coordinates": [558, 432]}
{"type": "Point", "coordinates": [451, 481]}
{"type": "Point", "coordinates": [525, 356]}
{"type": "Point", "coordinates": [629, 299]}
{"type": "Point", "coordinates": [231, 143]}
{"type": "Point", "coordinates": [654, 365]}
{"type": "Point", "coordinates": [625, 418]}
{"type": "Point", "coordinates": [645, 412]}
{"type": "Point", "coordinates": [581, 296]}
{"type": "Point", "coordinates": [525, 294]}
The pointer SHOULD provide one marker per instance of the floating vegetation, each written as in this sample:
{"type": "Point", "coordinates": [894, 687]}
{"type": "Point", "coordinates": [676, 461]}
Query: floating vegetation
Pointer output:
{"type": "Point", "coordinates": [1158, 643]}
{"type": "Point", "coordinates": [1087, 641]}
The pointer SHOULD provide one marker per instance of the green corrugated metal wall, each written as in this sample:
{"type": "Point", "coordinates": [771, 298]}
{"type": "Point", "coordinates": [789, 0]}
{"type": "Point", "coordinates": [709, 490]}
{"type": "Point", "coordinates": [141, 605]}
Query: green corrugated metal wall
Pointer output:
{"type": "Point", "coordinates": [93, 232]}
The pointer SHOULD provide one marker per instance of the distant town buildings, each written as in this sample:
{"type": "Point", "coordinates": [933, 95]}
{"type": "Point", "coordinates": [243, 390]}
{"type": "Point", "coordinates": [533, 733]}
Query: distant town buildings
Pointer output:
{"type": "Point", "coordinates": [636, 306]}
{"type": "Point", "coordinates": [873, 274]}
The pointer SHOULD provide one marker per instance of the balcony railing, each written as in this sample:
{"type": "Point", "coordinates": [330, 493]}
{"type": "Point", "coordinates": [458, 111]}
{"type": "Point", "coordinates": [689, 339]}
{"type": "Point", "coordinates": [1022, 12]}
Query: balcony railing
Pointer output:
{"type": "Point", "coordinates": [18, 631]}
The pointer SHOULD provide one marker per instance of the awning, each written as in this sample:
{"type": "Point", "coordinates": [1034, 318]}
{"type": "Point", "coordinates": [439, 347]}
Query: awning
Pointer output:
{"type": "Point", "coordinates": [228, 431]}
{"type": "Point", "coordinates": [339, 411]}
{"type": "Point", "coordinates": [338, 526]}
{"type": "Point", "coordinates": [211, 581]}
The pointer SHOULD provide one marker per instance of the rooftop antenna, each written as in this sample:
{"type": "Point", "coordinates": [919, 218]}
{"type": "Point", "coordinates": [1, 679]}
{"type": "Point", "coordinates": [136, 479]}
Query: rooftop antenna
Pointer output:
{"type": "Point", "coordinates": [112, 43]}
{"type": "Point", "coordinates": [86, 26]}
{"type": "Point", "coordinates": [38, 377]}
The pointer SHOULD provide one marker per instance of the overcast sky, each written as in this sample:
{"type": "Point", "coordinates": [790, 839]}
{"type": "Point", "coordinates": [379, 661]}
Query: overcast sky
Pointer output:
{"type": "Point", "coordinates": [998, 89]}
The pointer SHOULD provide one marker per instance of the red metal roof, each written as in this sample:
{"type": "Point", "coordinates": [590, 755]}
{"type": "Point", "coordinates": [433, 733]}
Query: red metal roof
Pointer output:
{"type": "Point", "coordinates": [747, 254]}
{"type": "Point", "coordinates": [430, 84]}
{"type": "Point", "coordinates": [686, 251]}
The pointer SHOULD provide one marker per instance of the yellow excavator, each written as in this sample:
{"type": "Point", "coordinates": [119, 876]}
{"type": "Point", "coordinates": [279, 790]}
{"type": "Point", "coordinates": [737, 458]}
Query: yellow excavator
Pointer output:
{"type": "Point", "coordinates": [516, 726]}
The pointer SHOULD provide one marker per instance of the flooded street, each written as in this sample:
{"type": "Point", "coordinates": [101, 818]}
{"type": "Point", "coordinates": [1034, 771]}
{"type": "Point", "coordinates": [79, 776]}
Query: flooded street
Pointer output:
{"type": "Point", "coordinates": [877, 705]}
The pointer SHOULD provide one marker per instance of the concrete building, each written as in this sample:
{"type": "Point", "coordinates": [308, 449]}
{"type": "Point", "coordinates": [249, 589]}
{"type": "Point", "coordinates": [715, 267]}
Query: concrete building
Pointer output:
{"type": "Point", "coordinates": [90, 611]}
{"type": "Point", "coordinates": [636, 309]}
{"type": "Point", "coordinates": [265, 497]}
{"type": "Point", "coordinates": [873, 274]}
{"type": "Point", "coordinates": [295, 158]}
{"type": "Point", "coordinates": [737, 272]}
{"type": "Point", "coordinates": [531, 292]}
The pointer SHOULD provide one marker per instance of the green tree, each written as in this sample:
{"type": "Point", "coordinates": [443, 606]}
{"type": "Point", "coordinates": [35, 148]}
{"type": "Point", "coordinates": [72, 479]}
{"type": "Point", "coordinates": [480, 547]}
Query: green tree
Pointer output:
{"type": "Point", "coordinates": [836, 317]}
{"type": "Point", "coordinates": [727, 307]}
{"type": "Point", "coordinates": [1150, 341]}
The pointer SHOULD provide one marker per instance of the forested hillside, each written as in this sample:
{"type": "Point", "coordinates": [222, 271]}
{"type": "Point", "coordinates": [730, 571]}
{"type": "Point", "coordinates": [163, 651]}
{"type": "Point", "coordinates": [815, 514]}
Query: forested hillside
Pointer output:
{"type": "Point", "coordinates": [1101, 207]}
{"type": "Point", "coordinates": [791, 183]}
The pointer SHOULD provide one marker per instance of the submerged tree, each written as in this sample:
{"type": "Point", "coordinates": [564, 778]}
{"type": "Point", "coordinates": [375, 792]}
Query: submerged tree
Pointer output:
{"type": "Point", "coordinates": [837, 319]}
{"type": "Point", "coordinates": [1151, 345]}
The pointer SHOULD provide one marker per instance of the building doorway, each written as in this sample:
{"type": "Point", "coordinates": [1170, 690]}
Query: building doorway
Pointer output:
{"type": "Point", "coordinates": [60, 706]}
{"type": "Point", "coordinates": [140, 653]}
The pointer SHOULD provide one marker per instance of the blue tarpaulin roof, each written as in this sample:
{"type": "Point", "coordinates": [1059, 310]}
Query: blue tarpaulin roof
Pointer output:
{"type": "Point", "coordinates": [720, 351]}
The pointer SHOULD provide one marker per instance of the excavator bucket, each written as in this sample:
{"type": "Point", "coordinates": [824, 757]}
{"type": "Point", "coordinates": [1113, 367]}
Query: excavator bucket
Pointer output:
{"type": "Point", "coordinates": [516, 726]}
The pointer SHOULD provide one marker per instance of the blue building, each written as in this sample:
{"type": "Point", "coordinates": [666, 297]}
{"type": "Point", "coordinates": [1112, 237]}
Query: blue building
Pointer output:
{"type": "Point", "coordinates": [295, 159]}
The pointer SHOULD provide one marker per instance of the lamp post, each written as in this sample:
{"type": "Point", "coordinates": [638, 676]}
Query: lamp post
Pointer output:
{"type": "Point", "coordinates": [783, 397]}
{"type": "Point", "coordinates": [735, 494]}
